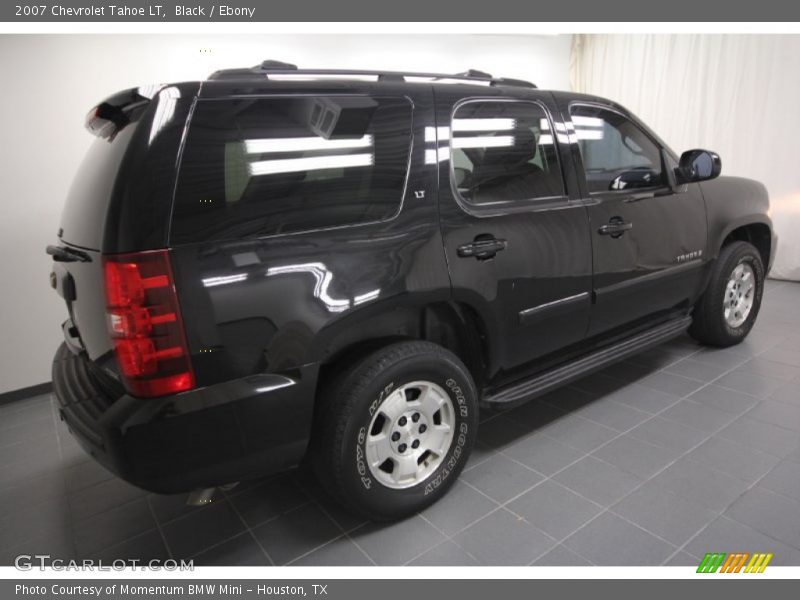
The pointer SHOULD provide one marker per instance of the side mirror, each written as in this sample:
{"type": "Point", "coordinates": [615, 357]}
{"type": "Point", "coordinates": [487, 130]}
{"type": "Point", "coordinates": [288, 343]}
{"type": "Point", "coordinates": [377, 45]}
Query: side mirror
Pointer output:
{"type": "Point", "coordinates": [698, 165]}
{"type": "Point", "coordinates": [635, 178]}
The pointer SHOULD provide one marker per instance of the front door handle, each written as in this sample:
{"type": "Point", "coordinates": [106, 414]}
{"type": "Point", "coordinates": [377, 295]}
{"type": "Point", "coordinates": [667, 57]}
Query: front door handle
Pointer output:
{"type": "Point", "coordinates": [615, 227]}
{"type": "Point", "coordinates": [482, 248]}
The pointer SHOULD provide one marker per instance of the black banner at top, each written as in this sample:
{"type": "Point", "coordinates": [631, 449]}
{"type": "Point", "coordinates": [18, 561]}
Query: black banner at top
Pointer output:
{"type": "Point", "coordinates": [96, 11]}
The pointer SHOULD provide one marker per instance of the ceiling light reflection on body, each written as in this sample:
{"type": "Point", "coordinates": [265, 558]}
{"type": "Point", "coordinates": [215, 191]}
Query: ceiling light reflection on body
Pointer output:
{"type": "Point", "coordinates": [323, 278]}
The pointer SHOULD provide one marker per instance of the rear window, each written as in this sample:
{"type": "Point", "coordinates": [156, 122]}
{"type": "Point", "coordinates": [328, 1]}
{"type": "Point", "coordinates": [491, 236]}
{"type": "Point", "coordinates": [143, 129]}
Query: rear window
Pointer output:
{"type": "Point", "coordinates": [83, 218]}
{"type": "Point", "coordinates": [267, 166]}
{"type": "Point", "coordinates": [113, 121]}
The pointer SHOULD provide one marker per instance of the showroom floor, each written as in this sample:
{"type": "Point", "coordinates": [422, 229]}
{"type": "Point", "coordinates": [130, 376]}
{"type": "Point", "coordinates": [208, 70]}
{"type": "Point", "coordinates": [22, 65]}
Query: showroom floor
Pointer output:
{"type": "Point", "coordinates": [678, 452]}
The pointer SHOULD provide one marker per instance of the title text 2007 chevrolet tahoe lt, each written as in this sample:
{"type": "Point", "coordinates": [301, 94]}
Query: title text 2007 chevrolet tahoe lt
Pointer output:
{"type": "Point", "coordinates": [278, 263]}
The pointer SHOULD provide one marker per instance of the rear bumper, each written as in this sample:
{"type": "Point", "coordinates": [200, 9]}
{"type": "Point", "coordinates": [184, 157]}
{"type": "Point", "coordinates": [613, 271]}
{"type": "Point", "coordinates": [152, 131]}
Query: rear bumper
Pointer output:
{"type": "Point", "coordinates": [237, 430]}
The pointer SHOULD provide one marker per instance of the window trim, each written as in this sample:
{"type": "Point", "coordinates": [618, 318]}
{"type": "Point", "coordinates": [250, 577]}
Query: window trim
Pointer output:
{"type": "Point", "coordinates": [506, 206]}
{"type": "Point", "coordinates": [187, 129]}
{"type": "Point", "coordinates": [582, 171]}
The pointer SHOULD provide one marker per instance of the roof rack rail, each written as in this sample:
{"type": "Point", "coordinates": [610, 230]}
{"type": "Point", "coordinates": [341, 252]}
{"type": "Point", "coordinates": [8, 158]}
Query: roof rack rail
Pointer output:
{"type": "Point", "coordinates": [276, 67]}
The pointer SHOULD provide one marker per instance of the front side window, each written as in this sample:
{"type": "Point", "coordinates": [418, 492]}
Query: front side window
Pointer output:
{"type": "Point", "coordinates": [616, 154]}
{"type": "Point", "coordinates": [266, 166]}
{"type": "Point", "coordinates": [503, 152]}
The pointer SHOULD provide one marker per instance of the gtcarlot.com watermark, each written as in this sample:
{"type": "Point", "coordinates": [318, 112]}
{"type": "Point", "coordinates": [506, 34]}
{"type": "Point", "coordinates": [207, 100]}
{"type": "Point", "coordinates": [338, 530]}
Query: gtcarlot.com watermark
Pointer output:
{"type": "Point", "coordinates": [29, 562]}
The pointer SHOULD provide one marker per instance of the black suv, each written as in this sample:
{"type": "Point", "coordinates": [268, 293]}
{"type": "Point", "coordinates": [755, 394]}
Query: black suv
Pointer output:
{"type": "Point", "coordinates": [278, 264]}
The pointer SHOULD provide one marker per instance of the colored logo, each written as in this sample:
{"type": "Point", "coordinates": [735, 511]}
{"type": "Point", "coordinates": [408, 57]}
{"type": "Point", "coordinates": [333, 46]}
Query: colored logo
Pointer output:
{"type": "Point", "coordinates": [737, 562]}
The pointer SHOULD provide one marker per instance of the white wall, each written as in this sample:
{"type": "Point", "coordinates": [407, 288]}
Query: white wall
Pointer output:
{"type": "Point", "coordinates": [50, 82]}
{"type": "Point", "coordinates": [734, 94]}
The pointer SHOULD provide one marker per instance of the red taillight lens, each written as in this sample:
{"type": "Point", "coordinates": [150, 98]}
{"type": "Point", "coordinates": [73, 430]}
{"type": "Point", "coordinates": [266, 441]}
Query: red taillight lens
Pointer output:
{"type": "Point", "coordinates": [136, 321]}
{"type": "Point", "coordinates": [123, 284]}
{"type": "Point", "coordinates": [136, 357]}
{"type": "Point", "coordinates": [144, 322]}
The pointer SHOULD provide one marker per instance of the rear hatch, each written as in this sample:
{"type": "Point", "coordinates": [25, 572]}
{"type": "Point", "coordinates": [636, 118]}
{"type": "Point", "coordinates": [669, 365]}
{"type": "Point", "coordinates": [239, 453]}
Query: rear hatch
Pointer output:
{"type": "Point", "coordinates": [77, 262]}
{"type": "Point", "coordinates": [111, 264]}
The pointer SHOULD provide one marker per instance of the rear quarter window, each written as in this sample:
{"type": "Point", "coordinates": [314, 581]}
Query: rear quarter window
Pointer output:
{"type": "Point", "coordinates": [269, 166]}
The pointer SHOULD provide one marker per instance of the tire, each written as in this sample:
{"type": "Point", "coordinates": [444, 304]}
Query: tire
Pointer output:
{"type": "Point", "coordinates": [710, 324]}
{"type": "Point", "coordinates": [363, 414]}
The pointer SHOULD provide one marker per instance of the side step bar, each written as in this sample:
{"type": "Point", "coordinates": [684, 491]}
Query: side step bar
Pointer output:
{"type": "Point", "coordinates": [563, 374]}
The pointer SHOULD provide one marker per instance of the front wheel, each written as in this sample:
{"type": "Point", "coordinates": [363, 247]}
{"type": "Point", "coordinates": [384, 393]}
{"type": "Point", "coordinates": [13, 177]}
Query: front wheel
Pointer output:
{"type": "Point", "coordinates": [395, 430]}
{"type": "Point", "coordinates": [727, 311]}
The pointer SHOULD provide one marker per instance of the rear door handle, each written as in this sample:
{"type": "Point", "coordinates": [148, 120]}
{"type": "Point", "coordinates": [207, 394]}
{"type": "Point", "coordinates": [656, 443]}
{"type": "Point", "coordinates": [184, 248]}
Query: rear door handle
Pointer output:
{"type": "Point", "coordinates": [482, 248]}
{"type": "Point", "coordinates": [615, 227]}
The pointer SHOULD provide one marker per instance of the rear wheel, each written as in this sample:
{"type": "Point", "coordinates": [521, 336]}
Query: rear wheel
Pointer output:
{"type": "Point", "coordinates": [727, 311]}
{"type": "Point", "coordinates": [395, 430]}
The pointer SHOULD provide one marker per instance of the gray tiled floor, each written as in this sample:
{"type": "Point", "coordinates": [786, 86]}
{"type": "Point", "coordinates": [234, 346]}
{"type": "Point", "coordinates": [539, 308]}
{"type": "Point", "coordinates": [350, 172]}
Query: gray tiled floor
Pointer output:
{"type": "Point", "coordinates": [657, 460]}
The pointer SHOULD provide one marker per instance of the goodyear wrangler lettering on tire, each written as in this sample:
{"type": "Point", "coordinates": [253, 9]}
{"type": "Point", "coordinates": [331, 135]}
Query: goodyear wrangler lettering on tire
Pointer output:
{"type": "Point", "coordinates": [462, 405]}
{"type": "Point", "coordinates": [448, 468]}
{"type": "Point", "coordinates": [361, 466]}
{"type": "Point", "coordinates": [374, 406]}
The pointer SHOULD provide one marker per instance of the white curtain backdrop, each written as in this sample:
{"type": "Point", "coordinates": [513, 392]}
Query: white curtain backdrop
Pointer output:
{"type": "Point", "coordinates": [734, 94]}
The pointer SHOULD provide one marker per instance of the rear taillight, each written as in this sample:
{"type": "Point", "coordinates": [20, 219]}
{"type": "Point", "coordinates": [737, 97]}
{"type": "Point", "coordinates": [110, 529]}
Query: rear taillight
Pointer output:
{"type": "Point", "coordinates": [145, 324]}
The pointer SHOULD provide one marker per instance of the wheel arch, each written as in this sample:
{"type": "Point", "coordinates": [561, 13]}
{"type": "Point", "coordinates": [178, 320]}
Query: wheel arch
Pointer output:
{"type": "Point", "coordinates": [757, 233]}
{"type": "Point", "coordinates": [738, 210]}
{"type": "Point", "coordinates": [455, 326]}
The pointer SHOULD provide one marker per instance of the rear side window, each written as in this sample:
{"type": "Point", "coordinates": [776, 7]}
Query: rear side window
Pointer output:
{"type": "Point", "coordinates": [267, 166]}
{"type": "Point", "coordinates": [503, 151]}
